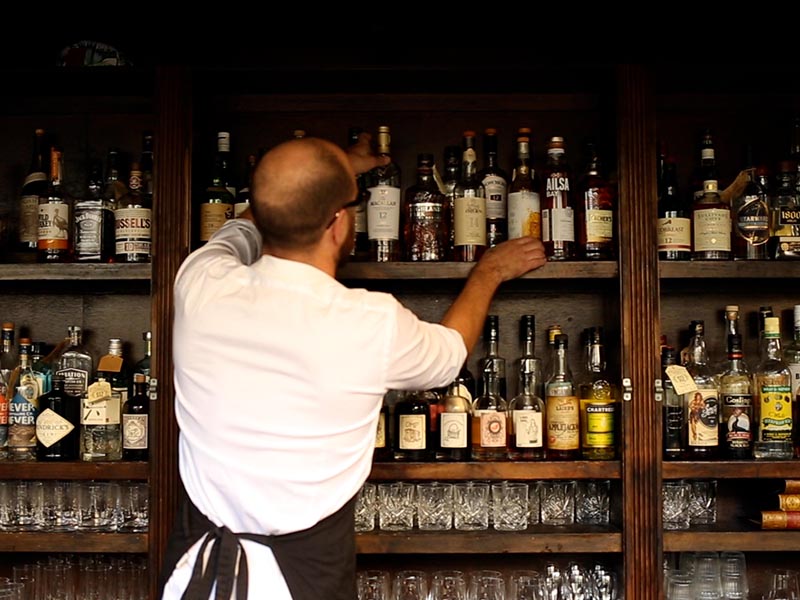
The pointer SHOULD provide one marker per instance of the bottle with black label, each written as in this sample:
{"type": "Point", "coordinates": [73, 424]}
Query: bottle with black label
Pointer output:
{"type": "Point", "coordinates": [58, 424]}
{"type": "Point", "coordinates": [135, 412]}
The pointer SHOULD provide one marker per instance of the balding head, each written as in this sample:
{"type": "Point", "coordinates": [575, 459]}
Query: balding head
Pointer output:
{"type": "Point", "coordinates": [297, 188]}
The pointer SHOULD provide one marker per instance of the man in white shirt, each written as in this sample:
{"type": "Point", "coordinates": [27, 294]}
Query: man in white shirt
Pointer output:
{"type": "Point", "coordinates": [280, 372]}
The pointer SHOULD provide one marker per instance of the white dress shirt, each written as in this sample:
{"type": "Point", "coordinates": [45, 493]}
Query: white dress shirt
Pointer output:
{"type": "Point", "coordinates": [280, 372]}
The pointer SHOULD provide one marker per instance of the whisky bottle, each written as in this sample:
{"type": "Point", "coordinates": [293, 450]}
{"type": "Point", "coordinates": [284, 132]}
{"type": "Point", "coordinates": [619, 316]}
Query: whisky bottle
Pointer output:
{"type": "Point", "coordinates": [562, 407]}
{"type": "Point", "coordinates": [558, 207]}
{"type": "Point", "coordinates": [24, 407]}
{"type": "Point", "coordinates": [412, 417]}
{"type": "Point", "coordinates": [469, 207]}
{"type": "Point", "coordinates": [492, 359]}
{"type": "Point", "coordinates": [54, 232]}
{"type": "Point", "coordinates": [135, 421]}
{"type": "Point", "coordinates": [360, 251]}
{"type": "Point", "coordinates": [425, 217]}
{"type": "Point", "coordinates": [243, 195]}
{"type": "Point", "coordinates": [736, 395]}
{"type": "Point", "coordinates": [674, 217]}
{"type": "Point", "coordinates": [383, 207]}
{"type": "Point", "coordinates": [33, 188]}
{"type": "Point", "coordinates": [673, 414]}
{"type": "Point", "coordinates": [596, 211]}
{"type": "Point", "coordinates": [75, 365]}
{"type": "Point", "coordinates": [217, 204]}
{"type": "Point", "coordinates": [383, 441]}
{"type": "Point", "coordinates": [772, 388]}
{"type": "Point", "coordinates": [143, 365]}
{"type": "Point", "coordinates": [731, 317]}
{"type": "Point", "coordinates": [524, 208]}
{"type": "Point", "coordinates": [134, 221]}
{"type": "Point", "coordinates": [58, 424]}
{"type": "Point", "coordinates": [702, 404]}
{"type": "Point", "coordinates": [146, 165]}
{"type": "Point", "coordinates": [93, 232]}
{"type": "Point", "coordinates": [495, 185]}
{"type": "Point", "coordinates": [598, 402]}
{"type": "Point", "coordinates": [711, 215]}
{"type": "Point", "coordinates": [785, 214]}
{"type": "Point", "coordinates": [101, 416]}
{"type": "Point", "coordinates": [750, 216]}
{"type": "Point", "coordinates": [489, 420]}
{"type": "Point", "coordinates": [526, 409]}
{"type": "Point", "coordinates": [450, 177]}
{"type": "Point", "coordinates": [454, 439]}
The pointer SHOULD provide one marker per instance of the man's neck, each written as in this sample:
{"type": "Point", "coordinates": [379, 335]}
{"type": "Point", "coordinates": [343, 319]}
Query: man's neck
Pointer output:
{"type": "Point", "coordinates": [314, 257]}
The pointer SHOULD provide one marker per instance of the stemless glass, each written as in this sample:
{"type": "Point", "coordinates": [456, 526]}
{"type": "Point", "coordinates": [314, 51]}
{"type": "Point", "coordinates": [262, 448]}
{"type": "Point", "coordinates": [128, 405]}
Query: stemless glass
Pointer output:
{"type": "Point", "coordinates": [373, 584]}
{"type": "Point", "coordinates": [448, 585]}
{"type": "Point", "coordinates": [410, 584]}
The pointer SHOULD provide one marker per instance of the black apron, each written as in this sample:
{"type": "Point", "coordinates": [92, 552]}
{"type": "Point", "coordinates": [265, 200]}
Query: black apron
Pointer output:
{"type": "Point", "coordinates": [317, 563]}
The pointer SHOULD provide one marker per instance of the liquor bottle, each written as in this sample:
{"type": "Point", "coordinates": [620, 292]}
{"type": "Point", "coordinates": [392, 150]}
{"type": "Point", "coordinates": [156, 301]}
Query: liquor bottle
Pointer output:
{"type": "Point", "coordinates": [101, 416]}
{"type": "Point", "coordinates": [143, 365]}
{"type": "Point", "coordinates": [425, 217]}
{"type": "Point", "coordinates": [562, 407]}
{"type": "Point", "coordinates": [113, 187]}
{"type": "Point", "coordinates": [495, 185]}
{"type": "Point", "coordinates": [383, 441]}
{"type": "Point", "coordinates": [24, 407]}
{"type": "Point", "coordinates": [489, 420]}
{"type": "Point", "coordinates": [785, 214]}
{"type": "Point", "coordinates": [450, 177]}
{"type": "Point", "coordinates": [383, 207]}
{"type": "Point", "coordinates": [54, 233]}
{"type": "Point", "coordinates": [552, 332]}
{"type": "Point", "coordinates": [243, 195]}
{"type": "Point", "coordinates": [360, 251]}
{"type": "Point", "coordinates": [731, 316]}
{"type": "Point", "coordinates": [217, 204]}
{"type": "Point", "coordinates": [58, 424]}
{"type": "Point", "coordinates": [711, 215]}
{"type": "Point", "coordinates": [673, 414]}
{"type": "Point", "coordinates": [93, 231]}
{"type": "Point", "coordinates": [135, 421]}
{"type": "Point", "coordinates": [736, 395]}
{"type": "Point", "coordinates": [598, 402]}
{"type": "Point", "coordinates": [75, 365]}
{"type": "Point", "coordinates": [33, 188]}
{"type": "Point", "coordinates": [674, 217]}
{"type": "Point", "coordinates": [524, 207]}
{"type": "Point", "coordinates": [113, 367]}
{"type": "Point", "coordinates": [492, 359]}
{"type": "Point", "coordinates": [146, 165]}
{"type": "Point", "coordinates": [223, 159]}
{"type": "Point", "coordinates": [466, 383]}
{"type": "Point", "coordinates": [526, 409]}
{"type": "Point", "coordinates": [702, 404]}
{"type": "Point", "coordinates": [772, 389]}
{"type": "Point", "coordinates": [469, 207]}
{"type": "Point", "coordinates": [40, 365]}
{"type": "Point", "coordinates": [134, 221]}
{"type": "Point", "coordinates": [792, 357]}
{"type": "Point", "coordinates": [750, 217]}
{"type": "Point", "coordinates": [412, 426]}
{"type": "Point", "coordinates": [597, 209]}
{"type": "Point", "coordinates": [8, 362]}
{"type": "Point", "coordinates": [454, 414]}
{"type": "Point", "coordinates": [558, 208]}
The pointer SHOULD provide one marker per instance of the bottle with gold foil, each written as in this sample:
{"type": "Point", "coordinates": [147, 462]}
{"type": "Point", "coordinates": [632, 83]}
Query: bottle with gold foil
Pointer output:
{"type": "Point", "coordinates": [469, 207]}
{"type": "Point", "coordinates": [425, 217]}
{"type": "Point", "coordinates": [562, 408]}
{"type": "Point", "coordinates": [598, 402]}
{"type": "Point", "coordinates": [54, 232]}
{"type": "Point", "coordinates": [524, 208]}
{"type": "Point", "coordinates": [383, 206]}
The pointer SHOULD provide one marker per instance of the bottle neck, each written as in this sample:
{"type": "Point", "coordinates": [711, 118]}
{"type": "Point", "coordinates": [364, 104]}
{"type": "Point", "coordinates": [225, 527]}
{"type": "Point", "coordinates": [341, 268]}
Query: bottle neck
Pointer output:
{"type": "Point", "coordinates": [772, 347]}
{"type": "Point", "coordinates": [148, 347]}
{"type": "Point", "coordinates": [698, 354]}
{"type": "Point", "coordinates": [560, 367]}
{"type": "Point", "coordinates": [595, 358]}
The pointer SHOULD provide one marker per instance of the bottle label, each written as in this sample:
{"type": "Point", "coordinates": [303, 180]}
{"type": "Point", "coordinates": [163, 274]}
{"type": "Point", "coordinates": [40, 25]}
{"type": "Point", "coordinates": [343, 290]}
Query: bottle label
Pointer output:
{"type": "Point", "coordinates": [3, 414]}
{"type": "Point", "coordinates": [794, 369]}
{"type": "Point", "coordinates": [133, 228]}
{"type": "Point", "coordinates": [599, 424]}
{"type": "Point", "coordinates": [51, 427]}
{"type": "Point", "coordinates": [558, 225]}
{"type": "Point", "coordinates": [674, 233]}
{"type": "Point", "coordinates": [496, 194]}
{"type": "Point", "coordinates": [213, 215]}
{"type": "Point", "coordinates": [453, 430]}
{"type": "Point", "coordinates": [712, 230]}
{"type": "Point", "coordinates": [380, 432]}
{"type": "Point", "coordinates": [736, 410]}
{"type": "Point", "coordinates": [775, 418]}
{"type": "Point", "coordinates": [528, 429]}
{"type": "Point", "coordinates": [469, 221]}
{"type": "Point", "coordinates": [599, 226]}
{"type": "Point", "coordinates": [75, 380]}
{"type": "Point", "coordinates": [411, 432]}
{"type": "Point", "coordinates": [383, 213]}
{"type": "Point", "coordinates": [22, 413]}
{"type": "Point", "coordinates": [493, 428]}
{"type": "Point", "coordinates": [53, 229]}
{"type": "Point", "coordinates": [89, 230]}
{"type": "Point", "coordinates": [563, 430]}
{"type": "Point", "coordinates": [29, 219]}
{"type": "Point", "coordinates": [524, 215]}
{"type": "Point", "coordinates": [105, 411]}
{"type": "Point", "coordinates": [134, 432]}
{"type": "Point", "coordinates": [703, 418]}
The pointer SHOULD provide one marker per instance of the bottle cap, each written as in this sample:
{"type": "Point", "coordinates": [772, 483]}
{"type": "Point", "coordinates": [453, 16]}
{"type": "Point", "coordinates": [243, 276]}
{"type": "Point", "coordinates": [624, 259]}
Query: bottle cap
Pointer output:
{"type": "Point", "coordinates": [561, 341]}
{"type": "Point", "coordinates": [772, 327]}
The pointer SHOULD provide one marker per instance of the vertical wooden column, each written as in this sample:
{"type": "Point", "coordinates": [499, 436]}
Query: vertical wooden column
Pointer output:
{"type": "Point", "coordinates": [639, 293]}
{"type": "Point", "coordinates": [171, 239]}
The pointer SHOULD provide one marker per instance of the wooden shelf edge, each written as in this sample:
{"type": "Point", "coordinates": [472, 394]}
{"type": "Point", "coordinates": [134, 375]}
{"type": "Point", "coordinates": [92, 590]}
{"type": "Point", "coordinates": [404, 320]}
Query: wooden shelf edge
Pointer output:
{"type": "Point", "coordinates": [752, 541]}
{"type": "Point", "coordinates": [74, 541]}
{"type": "Point", "coordinates": [741, 469]}
{"type": "Point", "coordinates": [77, 470]}
{"type": "Point", "coordinates": [584, 469]}
{"type": "Point", "coordinates": [458, 270]}
{"type": "Point", "coordinates": [745, 269]}
{"type": "Point", "coordinates": [75, 272]}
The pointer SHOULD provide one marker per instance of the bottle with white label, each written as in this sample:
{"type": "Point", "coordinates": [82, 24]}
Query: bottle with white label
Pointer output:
{"type": "Point", "coordinates": [453, 425]}
{"type": "Point", "coordinates": [558, 206]}
{"type": "Point", "coordinates": [524, 209]}
{"type": "Point", "coordinates": [384, 204]}
{"type": "Point", "coordinates": [562, 407]}
{"type": "Point", "coordinates": [101, 417]}
{"type": "Point", "coordinates": [489, 424]}
{"type": "Point", "coordinates": [526, 409]}
{"type": "Point", "coordinates": [469, 207]}
{"type": "Point", "coordinates": [495, 185]}
{"type": "Point", "coordinates": [702, 404]}
{"type": "Point", "coordinates": [412, 426]}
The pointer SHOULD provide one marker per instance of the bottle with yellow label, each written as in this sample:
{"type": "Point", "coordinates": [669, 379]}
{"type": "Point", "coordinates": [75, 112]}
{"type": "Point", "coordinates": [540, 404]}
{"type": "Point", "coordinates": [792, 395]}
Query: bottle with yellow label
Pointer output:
{"type": "Point", "coordinates": [773, 402]}
{"type": "Point", "coordinates": [598, 404]}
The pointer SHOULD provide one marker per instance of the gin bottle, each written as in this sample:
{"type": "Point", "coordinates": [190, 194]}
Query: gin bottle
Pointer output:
{"type": "Point", "coordinates": [101, 415]}
{"type": "Point", "coordinates": [75, 365]}
{"type": "Point", "coordinates": [58, 425]}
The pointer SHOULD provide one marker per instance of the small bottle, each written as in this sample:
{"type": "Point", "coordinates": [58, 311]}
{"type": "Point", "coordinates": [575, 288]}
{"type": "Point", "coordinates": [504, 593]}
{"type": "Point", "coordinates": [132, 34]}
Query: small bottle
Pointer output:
{"type": "Point", "coordinates": [673, 414]}
{"type": "Point", "coordinates": [135, 412]}
{"type": "Point", "coordinates": [526, 409]}
{"type": "Point", "coordinates": [702, 405]}
{"type": "Point", "coordinates": [425, 217]}
{"type": "Point", "coordinates": [492, 359]}
{"type": "Point", "coordinates": [33, 188]}
{"type": "Point", "coordinates": [711, 215]}
{"type": "Point", "coordinates": [454, 414]}
{"type": "Point", "coordinates": [596, 212]}
{"type": "Point", "coordinates": [75, 364]}
{"type": "Point", "coordinates": [383, 207]}
{"type": "Point", "coordinates": [93, 232]}
{"type": "Point", "coordinates": [524, 207]}
{"type": "Point", "coordinates": [598, 402]}
{"type": "Point", "coordinates": [772, 387]}
{"type": "Point", "coordinates": [58, 424]}
{"type": "Point", "coordinates": [412, 417]}
{"type": "Point", "coordinates": [674, 217]}
{"type": "Point", "coordinates": [489, 420]}
{"type": "Point", "coordinates": [54, 233]}
{"type": "Point", "coordinates": [24, 407]}
{"type": "Point", "coordinates": [469, 207]}
{"type": "Point", "coordinates": [217, 204]}
{"type": "Point", "coordinates": [243, 195]}
{"type": "Point", "coordinates": [558, 207]}
{"type": "Point", "coordinates": [134, 222]}
{"type": "Point", "coordinates": [495, 185]}
{"type": "Point", "coordinates": [736, 395]}
{"type": "Point", "coordinates": [562, 407]}
{"type": "Point", "coordinates": [750, 217]}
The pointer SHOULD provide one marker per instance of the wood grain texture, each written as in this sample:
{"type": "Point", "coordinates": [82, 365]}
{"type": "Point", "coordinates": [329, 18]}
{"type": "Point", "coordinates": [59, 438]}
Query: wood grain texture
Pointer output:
{"type": "Point", "coordinates": [510, 471]}
{"type": "Point", "coordinates": [57, 543]}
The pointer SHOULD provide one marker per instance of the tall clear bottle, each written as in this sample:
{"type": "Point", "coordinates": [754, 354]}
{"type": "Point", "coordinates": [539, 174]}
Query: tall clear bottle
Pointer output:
{"type": "Point", "coordinates": [469, 207]}
{"type": "Point", "coordinates": [673, 418]}
{"type": "Point", "coordinates": [526, 408]}
{"type": "Point", "coordinates": [33, 188]}
{"type": "Point", "coordinates": [558, 206]}
{"type": "Point", "coordinates": [598, 402]}
{"type": "Point", "coordinates": [492, 359]}
{"type": "Point", "coordinates": [75, 365]}
{"type": "Point", "coordinates": [425, 217]}
{"type": "Point", "coordinates": [495, 185]}
{"type": "Point", "coordinates": [702, 404]}
{"type": "Point", "coordinates": [562, 407]}
{"type": "Point", "coordinates": [489, 420]}
{"type": "Point", "coordinates": [54, 232]}
{"type": "Point", "coordinates": [384, 205]}
{"type": "Point", "coordinates": [736, 396]}
{"type": "Point", "coordinates": [773, 398]}
{"type": "Point", "coordinates": [792, 356]}
{"type": "Point", "coordinates": [24, 408]}
{"type": "Point", "coordinates": [524, 206]}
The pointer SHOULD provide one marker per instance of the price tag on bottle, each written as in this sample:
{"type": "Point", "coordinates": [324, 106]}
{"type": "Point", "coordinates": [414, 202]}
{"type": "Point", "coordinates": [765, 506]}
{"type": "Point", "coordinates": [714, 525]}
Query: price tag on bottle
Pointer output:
{"type": "Point", "coordinates": [681, 380]}
{"type": "Point", "coordinates": [100, 390]}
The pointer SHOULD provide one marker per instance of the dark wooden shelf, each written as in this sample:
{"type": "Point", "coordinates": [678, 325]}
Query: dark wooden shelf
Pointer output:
{"type": "Point", "coordinates": [583, 469]}
{"type": "Point", "coordinates": [75, 272]}
{"type": "Point", "coordinates": [459, 270]}
{"type": "Point", "coordinates": [740, 269]}
{"type": "Point", "coordinates": [73, 542]}
{"type": "Point", "coordinates": [731, 469]}
{"type": "Point", "coordinates": [745, 541]}
{"type": "Point", "coordinates": [537, 539]}
{"type": "Point", "coordinates": [77, 470]}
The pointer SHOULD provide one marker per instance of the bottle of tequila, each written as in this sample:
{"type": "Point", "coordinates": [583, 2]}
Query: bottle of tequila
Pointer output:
{"type": "Point", "coordinates": [736, 396]}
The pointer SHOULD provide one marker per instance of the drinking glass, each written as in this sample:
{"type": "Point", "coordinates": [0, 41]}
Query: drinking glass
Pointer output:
{"type": "Point", "coordinates": [396, 506]}
{"type": "Point", "coordinates": [703, 501]}
{"type": "Point", "coordinates": [435, 506]}
{"type": "Point", "coordinates": [557, 502]}
{"type": "Point", "coordinates": [592, 499]}
{"type": "Point", "coordinates": [366, 507]}
{"type": "Point", "coordinates": [448, 585]}
{"type": "Point", "coordinates": [373, 584]}
{"type": "Point", "coordinates": [471, 505]}
{"type": "Point", "coordinates": [410, 585]}
{"type": "Point", "coordinates": [675, 504]}
{"type": "Point", "coordinates": [510, 506]}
